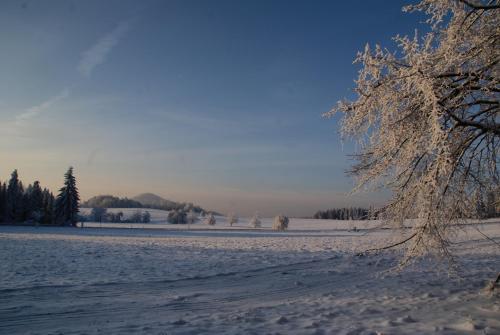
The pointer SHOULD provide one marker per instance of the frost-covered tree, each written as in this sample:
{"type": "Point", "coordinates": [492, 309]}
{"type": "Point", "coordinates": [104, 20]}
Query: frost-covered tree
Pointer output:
{"type": "Point", "coordinates": [99, 214]}
{"type": "Point", "coordinates": [192, 217]}
{"type": "Point", "coordinates": [351, 213]}
{"type": "Point", "coordinates": [136, 217]}
{"type": "Point", "coordinates": [146, 217]}
{"type": "Point", "coordinates": [68, 200]}
{"type": "Point", "coordinates": [232, 219]}
{"type": "Point", "coordinates": [115, 217]}
{"type": "Point", "coordinates": [255, 221]}
{"type": "Point", "coordinates": [210, 219]}
{"type": "Point", "coordinates": [177, 217]}
{"type": "Point", "coordinates": [427, 120]}
{"type": "Point", "coordinates": [280, 223]}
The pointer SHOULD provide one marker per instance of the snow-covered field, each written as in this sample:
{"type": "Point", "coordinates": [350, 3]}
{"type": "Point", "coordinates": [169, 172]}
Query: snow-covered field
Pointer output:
{"type": "Point", "coordinates": [164, 279]}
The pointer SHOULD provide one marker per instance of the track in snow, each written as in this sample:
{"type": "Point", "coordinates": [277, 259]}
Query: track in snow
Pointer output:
{"type": "Point", "coordinates": [42, 307]}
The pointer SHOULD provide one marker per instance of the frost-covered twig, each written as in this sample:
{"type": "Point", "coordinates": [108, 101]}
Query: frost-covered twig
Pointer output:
{"type": "Point", "coordinates": [388, 246]}
{"type": "Point", "coordinates": [487, 237]}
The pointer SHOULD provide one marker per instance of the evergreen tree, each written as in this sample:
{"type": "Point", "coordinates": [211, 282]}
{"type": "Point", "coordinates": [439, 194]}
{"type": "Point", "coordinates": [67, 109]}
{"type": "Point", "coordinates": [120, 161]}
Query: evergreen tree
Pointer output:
{"type": "Point", "coordinates": [20, 217]}
{"type": "Point", "coordinates": [3, 199]}
{"type": "Point", "coordinates": [36, 202]}
{"type": "Point", "coordinates": [67, 202]}
{"type": "Point", "coordinates": [14, 198]}
{"type": "Point", "coordinates": [48, 207]}
{"type": "Point", "coordinates": [26, 209]}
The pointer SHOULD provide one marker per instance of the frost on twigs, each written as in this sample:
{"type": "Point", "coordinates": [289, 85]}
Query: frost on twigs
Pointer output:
{"type": "Point", "coordinates": [280, 223]}
{"type": "Point", "coordinates": [210, 219]}
{"type": "Point", "coordinates": [192, 217]}
{"type": "Point", "coordinates": [255, 221]}
{"type": "Point", "coordinates": [177, 217]}
{"type": "Point", "coordinates": [493, 285]}
{"type": "Point", "coordinates": [427, 121]}
{"type": "Point", "coordinates": [232, 219]}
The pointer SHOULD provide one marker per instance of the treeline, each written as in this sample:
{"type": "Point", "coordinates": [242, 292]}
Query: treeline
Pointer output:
{"type": "Point", "coordinates": [37, 205]}
{"type": "Point", "coordinates": [109, 201]}
{"type": "Point", "coordinates": [99, 214]}
{"type": "Point", "coordinates": [351, 213]}
{"type": "Point", "coordinates": [487, 206]}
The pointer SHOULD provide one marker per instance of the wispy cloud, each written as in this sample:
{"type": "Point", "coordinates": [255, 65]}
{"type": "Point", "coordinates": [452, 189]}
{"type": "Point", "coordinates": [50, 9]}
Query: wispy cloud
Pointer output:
{"type": "Point", "coordinates": [99, 51]}
{"type": "Point", "coordinates": [202, 121]}
{"type": "Point", "coordinates": [37, 109]}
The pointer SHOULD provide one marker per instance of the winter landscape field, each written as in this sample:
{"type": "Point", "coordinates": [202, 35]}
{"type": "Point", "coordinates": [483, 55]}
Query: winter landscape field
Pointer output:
{"type": "Point", "coordinates": [159, 278]}
{"type": "Point", "coordinates": [250, 167]}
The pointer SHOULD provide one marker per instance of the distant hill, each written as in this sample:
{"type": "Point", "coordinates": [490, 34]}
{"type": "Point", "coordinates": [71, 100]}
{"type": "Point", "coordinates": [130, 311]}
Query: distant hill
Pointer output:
{"type": "Point", "coordinates": [152, 199]}
{"type": "Point", "coordinates": [144, 200]}
{"type": "Point", "coordinates": [109, 201]}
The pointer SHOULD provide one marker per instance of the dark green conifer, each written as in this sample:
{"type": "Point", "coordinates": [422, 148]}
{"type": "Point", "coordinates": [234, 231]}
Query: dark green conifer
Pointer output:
{"type": "Point", "coordinates": [67, 202]}
{"type": "Point", "coordinates": [14, 199]}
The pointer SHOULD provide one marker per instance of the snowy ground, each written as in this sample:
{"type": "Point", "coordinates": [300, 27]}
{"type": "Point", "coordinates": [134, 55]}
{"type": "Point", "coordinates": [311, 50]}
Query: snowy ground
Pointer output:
{"type": "Point", "coordinates": [164, 279]}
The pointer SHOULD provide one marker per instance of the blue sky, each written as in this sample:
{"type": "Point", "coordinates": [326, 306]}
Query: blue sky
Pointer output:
{"type": "Point", "coordinates": [214, 102]}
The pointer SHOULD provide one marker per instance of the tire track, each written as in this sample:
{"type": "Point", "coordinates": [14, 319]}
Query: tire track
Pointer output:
{"type": "Point", "coordinates": [81, 306]}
